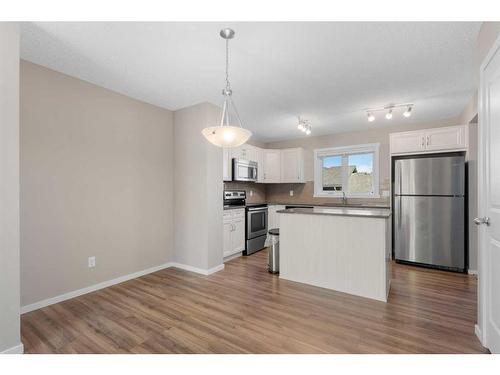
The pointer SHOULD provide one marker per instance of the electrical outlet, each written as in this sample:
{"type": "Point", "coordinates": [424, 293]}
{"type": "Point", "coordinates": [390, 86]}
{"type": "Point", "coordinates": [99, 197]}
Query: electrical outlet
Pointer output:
{"type": "Point", "coordinates": [251, 193]}
{"type": "Point", "coordinates": [291, 193]}
{"type": "Point", "coordinates": [91, 262]}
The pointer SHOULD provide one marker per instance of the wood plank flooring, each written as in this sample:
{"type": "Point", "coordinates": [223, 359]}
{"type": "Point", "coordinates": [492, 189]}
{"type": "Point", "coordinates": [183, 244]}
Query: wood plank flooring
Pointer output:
{"type": "Point", "coordinates": [244, 309]}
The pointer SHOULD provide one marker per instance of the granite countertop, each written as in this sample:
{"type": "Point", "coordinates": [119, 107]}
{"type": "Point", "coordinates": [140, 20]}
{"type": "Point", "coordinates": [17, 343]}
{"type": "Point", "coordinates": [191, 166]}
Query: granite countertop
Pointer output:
{"type": "Point", "coordinates": [340, 211]}
{"type": "Point", "coordinates": [335, 205]}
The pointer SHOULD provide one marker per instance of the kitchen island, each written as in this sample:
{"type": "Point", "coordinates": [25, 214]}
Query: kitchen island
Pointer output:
{"type": "Point", "coordinates": [344, 249]}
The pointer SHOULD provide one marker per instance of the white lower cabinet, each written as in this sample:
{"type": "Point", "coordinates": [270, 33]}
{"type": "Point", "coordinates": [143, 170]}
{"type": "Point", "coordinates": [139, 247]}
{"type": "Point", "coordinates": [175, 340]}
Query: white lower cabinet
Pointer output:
{"type": "Point", "coordinates": [234, 232]}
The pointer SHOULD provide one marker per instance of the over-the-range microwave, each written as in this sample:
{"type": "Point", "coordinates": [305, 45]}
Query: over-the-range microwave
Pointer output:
{"type": "Point", "coordinates": [244, 170]}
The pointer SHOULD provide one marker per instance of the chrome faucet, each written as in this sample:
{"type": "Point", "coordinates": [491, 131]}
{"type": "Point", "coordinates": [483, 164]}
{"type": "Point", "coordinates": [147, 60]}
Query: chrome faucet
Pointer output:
{"type": "Point", "coordinates": [344, 199]}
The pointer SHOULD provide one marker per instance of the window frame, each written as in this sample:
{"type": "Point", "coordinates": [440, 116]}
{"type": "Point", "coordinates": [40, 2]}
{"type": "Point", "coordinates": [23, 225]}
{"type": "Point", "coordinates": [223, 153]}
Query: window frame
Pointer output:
{"type": "Point", "coordinates": [345, 151]}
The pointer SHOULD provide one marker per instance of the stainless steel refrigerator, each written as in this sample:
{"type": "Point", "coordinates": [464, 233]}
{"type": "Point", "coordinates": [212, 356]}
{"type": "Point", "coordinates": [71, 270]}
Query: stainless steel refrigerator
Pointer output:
{"type": "Point", "coordinates": [429, 211]}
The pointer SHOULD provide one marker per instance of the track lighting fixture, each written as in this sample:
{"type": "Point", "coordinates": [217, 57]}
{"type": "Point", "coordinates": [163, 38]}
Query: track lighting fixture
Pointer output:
{"type": "Point", "coordinates": [389, 109]}
{"type": "Point", "coordinates": [304, 126]}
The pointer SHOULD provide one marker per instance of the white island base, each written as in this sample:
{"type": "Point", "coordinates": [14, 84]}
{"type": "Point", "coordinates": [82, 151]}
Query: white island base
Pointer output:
{"type": "Point", "coordinates": [346, 253]}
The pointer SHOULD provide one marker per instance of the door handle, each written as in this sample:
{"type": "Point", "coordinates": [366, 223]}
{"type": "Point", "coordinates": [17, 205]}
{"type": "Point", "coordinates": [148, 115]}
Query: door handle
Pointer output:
{"type": "Point", "coordinates": [482, 220]}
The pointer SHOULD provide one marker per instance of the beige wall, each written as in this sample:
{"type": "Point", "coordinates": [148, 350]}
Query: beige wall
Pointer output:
{"type": "Point", "coordinates": [488, 33]}
{"type": "Point", "coordinates": [303, 193]}
{"type": "Point", "coordinates": [198, 189]}
{"type": "Point", "coordinates": [9, 188]}
{"type": "Point", "coordinates": [96, 180]}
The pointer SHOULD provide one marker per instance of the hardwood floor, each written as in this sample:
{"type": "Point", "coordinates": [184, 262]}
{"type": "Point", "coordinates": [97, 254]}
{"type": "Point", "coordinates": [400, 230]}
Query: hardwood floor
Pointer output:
{"type": "Point", "coordinates": [244, 309]}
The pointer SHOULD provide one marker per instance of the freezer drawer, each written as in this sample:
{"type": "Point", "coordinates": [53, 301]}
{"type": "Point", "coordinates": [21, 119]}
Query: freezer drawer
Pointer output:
{"type": "Point", "coordinates": [430, 230]}
{"type": "Point", "coordinates": [440, 175]}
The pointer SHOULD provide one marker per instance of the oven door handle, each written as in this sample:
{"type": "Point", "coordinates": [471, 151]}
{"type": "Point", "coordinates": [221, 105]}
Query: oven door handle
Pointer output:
{"type": "Point", "coordinates": [257, 209]}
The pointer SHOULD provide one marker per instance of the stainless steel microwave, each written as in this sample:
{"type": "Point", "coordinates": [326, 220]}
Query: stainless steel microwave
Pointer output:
{"type": "Point", "coordinates": [244, 170]}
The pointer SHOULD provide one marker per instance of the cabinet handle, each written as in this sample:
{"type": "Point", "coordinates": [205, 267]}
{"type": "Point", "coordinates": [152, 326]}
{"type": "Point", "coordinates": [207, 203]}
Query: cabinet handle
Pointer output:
{"type": "Point", "coordinates": [428, 141]}
{"type": "Point", "coordinates": [423, 142]}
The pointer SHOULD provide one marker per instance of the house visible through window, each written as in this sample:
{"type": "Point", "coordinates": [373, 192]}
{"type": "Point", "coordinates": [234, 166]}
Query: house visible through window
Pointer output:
{"type": "Point", "coordinates": [352, 171]}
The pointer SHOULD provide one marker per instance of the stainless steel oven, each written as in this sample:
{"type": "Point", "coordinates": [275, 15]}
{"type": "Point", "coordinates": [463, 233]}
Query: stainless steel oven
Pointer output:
{"type": "Point", "coordinates": [244, 170]}
{"type": "Point", "coordinates": [256, 228]}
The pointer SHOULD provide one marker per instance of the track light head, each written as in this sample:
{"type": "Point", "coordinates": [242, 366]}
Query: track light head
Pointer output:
{"type": "Point", "coordinates": [388, 115]}
{"type": "Point", "coordinates": [370, 116]}
{"type": "Point", "coordinates": [407, 113]}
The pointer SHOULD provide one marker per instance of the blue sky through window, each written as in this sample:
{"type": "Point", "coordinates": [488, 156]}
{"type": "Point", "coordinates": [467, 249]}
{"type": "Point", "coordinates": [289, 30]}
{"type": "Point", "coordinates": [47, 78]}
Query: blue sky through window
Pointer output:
{"type": "Point", "coordinates": [332, 161]}
{"type": "Point", "coordinates": [363, 162]}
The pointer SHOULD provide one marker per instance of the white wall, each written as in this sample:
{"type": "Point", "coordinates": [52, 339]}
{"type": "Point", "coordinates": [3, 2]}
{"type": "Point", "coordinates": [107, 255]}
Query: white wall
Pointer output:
{"type": "Point", "coordinates": [96, 180]}
{"type": "Point", "coordinates": [198, 189]}
{"type": "Point", "coordinates": [9, 188]}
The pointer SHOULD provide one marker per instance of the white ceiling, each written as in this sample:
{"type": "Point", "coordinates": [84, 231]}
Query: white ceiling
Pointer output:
{"type": "Point", "coordinates": [326, 72]}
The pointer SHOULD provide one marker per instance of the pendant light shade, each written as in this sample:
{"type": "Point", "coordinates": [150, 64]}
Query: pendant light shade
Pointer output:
{"type": "Point", "coordinates": [230, 132]}
{"type": "Point", "coordinates": [226, 136]}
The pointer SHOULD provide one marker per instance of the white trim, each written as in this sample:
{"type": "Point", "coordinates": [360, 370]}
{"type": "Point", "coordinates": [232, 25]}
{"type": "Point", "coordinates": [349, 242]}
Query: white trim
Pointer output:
{"type": "Point", "coordinates": [232, 256]}
{"type": "Point", "coordinates": [472, 272]}
{"type": "Point", "coordinates": [92, 288]}
{"type": "Point", "coordinates": [342, 151]}
{"type": "Point", "coordinates": [118, 280]}
{"type": "Point", "coordinates": [18, 349]}
{"type": "Point", "coordinates": [201, 271]}
{"type": "Point", "coordinates": [479, 333]}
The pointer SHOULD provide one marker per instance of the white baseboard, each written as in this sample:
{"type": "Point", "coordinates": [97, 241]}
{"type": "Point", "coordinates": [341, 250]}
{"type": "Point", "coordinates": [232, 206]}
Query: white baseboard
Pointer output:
{"type": "Point", "coordinates": [201, 271]}
{"type": "Point", "coordinates": [472, 272]}
{"type": "Point", "coordinates": [478, 333]}
{"type": "Point", "coordinates": [230, 257]}
{"type": "Point", "coordinates": [118, 280]}
{"type": "Point", "coordinates": [18, 349]}
{"type": "Point", "coordinates": [92, 288]}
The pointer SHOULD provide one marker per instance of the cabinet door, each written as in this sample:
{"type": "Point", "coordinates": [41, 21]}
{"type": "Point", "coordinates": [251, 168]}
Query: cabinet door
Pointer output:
{"type": "Point", "coordinates": [227, 235]}
{"type": "Point", "coordinates": [260, 164]}
{"type": "Point", "coordinates": [271, 217]}
{"type": "Point", "coordinates": [272, 166]}
{"type": "Point", "coordinates": [238, 237]}
{"type": "Point", "coordinates": [291, 165]}
{"type": "Point", "coordinates": [227, 168]}
{"type": "Point", "coordinates": [277, 215]}
{"type": "Point", "coordinates": [407, 142]}
{"type": "Point", "coordinates": [448, 138]}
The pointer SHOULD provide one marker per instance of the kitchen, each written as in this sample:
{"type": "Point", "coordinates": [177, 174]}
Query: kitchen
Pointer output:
{"type": "Point", "coordinates": [343, 207]}
{"type": "Point", "coordinates": [264, 176]}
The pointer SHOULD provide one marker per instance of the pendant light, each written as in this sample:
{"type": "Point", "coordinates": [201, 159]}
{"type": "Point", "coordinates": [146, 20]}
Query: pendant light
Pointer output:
{"type": "Point", "coordinates": [229, 133]}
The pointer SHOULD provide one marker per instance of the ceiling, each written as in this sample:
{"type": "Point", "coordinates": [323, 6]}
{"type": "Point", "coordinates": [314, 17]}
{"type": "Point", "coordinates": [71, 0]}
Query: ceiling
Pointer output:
{"type": "Point", "coordinates": [326, 72]}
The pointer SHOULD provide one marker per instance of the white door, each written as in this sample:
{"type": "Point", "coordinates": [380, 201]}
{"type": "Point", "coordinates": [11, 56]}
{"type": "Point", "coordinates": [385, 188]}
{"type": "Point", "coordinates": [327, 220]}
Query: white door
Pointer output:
{"type": "Point", "coordinates": [448, 138]}
{"type": "Point", "coordinates": [227, 241]}
{"type": "Point", "coordinates": [489, 185]}
{"type": "Point", "coordinates": [272, 166]}
{"type": "Point", "coordinates": [238, 235]}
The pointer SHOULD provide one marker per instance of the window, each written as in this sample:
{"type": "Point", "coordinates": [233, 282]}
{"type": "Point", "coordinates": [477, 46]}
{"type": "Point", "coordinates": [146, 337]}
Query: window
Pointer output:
{"type": "Point", "coordinates": [351, 170]}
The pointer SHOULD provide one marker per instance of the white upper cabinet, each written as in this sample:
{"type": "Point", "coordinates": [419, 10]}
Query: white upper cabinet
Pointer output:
{"type": "Point", "coordinates": [292, 165]}
{"type": "Point", "coordinates": [450, 138]}
{"type": "Point", "coordinates": [227, 165]}
{"type": "Point", "coordinates": [453, 137]}
{"type": "Point", "coordinates": [407, 142]}
{"type": "Point", "coordinates": [245, 152]}
{"type": "Point", "coordinates": [272, 166]}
